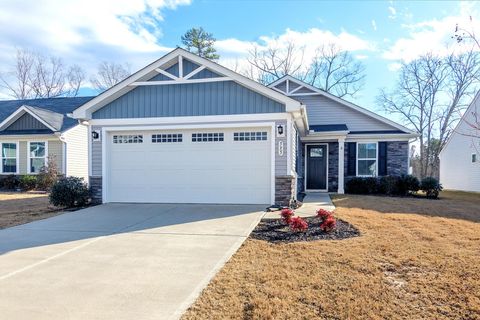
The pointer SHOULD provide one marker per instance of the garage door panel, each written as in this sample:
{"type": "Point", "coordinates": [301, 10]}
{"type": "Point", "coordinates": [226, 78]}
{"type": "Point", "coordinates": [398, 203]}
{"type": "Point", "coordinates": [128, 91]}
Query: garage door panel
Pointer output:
{"type": "Point", "coordinates": [190, 172]}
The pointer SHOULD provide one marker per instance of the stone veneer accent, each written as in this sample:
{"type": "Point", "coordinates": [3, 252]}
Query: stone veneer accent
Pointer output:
{"type": "Point", "coordinates": [284, 190]}
{"type": "Point", "coordinates": [96, 189]}
{"type": "Point", "coordinates": [397, 158]}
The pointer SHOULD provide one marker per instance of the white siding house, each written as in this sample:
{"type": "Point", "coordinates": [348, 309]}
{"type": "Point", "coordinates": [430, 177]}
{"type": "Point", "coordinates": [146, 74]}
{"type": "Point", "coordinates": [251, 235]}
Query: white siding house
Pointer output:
{"type": "Point", "coordinates": [460, 158]}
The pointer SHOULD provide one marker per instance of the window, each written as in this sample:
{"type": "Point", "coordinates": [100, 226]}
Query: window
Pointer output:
{"type": "Point", "coordinates": [250, 136]}
{"type": "Point", "coordinates": [474, 157]}
{"type": "Point", "coordinates": [9, 158]}
{"type": "Point", "coordinates": [316, 152]}
{"type": "Point", "coordinates": [367, 159]}
{"type": "Point", "coordinates": [207, 137]}
{"type": "Point", "coordinates": [133, 138]}
{"type": "Point", "coordinates": [169, 137]}
{"type": "Point", "coordinates": [36, 156]}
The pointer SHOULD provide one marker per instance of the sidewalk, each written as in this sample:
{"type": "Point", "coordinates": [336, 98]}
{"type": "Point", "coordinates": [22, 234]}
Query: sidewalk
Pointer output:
{"type": "Point", "coordinates": [311, 203]}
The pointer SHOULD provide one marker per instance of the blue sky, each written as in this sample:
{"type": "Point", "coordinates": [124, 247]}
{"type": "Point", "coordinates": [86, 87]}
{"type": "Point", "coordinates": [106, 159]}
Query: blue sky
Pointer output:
{"type": "Point", "coordinates": [379, 33]}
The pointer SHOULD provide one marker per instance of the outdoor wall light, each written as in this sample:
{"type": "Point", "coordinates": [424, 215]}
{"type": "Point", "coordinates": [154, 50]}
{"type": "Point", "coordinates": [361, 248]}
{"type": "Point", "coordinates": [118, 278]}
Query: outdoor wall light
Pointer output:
{"type": "Point", "coordinates": [280, 131]}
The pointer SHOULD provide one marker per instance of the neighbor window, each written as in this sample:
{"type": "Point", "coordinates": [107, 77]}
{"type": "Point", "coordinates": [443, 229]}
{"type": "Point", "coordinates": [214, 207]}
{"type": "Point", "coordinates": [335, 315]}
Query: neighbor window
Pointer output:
{"type": "Point", "coordinates": [366, 159]}
{"type": "Point", "coordinates": [474, 157]}
{"type": "Point", "coordinates": [37, 156]}
{"type": "Point", "coordinates": [9, 157]}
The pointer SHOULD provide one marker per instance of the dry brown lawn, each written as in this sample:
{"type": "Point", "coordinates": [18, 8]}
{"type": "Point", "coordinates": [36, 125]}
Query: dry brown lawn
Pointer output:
{"type": "Point", "coordinates": [19, 208]}
{"type": "Point", "coordinates": [415, 259]}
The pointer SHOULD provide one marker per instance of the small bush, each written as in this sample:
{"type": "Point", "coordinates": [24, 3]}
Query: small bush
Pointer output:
{"type": "Point", "coordinates": [323, 214]}
{"type": "Point", "coordinates": [297, 224]}
{"type": "Point", "coordinates": [360, 185]}
{"type": "Point", "coordinates": [48, 175]}
{"type": "Point", "coordinates": [286, 215]}
{"type": "Point", "coordinates": [407, 184]}
{"type": "Point", "coordinates": [328, 224]}
{"type": "Point", "coordinates": [11, 182]}
{"type": "Point", "coordinates": [387, 185]}
{"type": "Point", "coordinates": [28, 182]}
{"type": "Point", "coordinates": [69, 192]}
{"type": "Point", "coordinates": [431, 187]}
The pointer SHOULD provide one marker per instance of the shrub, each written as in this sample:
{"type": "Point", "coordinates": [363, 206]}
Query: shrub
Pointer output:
{"type": "Point", "coordinates": [431, 187]}
{"type": "Point", "coordinates": [323, 214]}
{"type": "Point", "coordinates": [48, 175]}
{"type": "Point", "coordinates": [328, 224]}
{"type": "Point", "coordinates": [297, 224]}
{"type": "Point", "coordinates": [69, 192]}
{"type": "Point", "coordinates": [387, 185]}
{"type": "Point", "coordinates": [286, 215]}
{"type": "Point", "coordinates": [407, 184]}
{"type": "Point", "coordinates": [28, 182]}
{"type": "Point", "coordinates": [11, 182]}
{"type": "Point", "coordinates": [360, 185]}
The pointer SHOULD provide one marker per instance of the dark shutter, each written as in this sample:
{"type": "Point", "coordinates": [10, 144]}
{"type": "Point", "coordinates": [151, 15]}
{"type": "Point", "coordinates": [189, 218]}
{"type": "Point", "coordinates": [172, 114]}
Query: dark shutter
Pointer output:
{"type": "Point", "coordinates": [352, 159]}
{"type": "Point", "coordinates": [382, 158]}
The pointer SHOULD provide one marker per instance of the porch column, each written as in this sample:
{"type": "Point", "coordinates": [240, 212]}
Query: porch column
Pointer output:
{"type": "Point", "coordinates": [341, 167]}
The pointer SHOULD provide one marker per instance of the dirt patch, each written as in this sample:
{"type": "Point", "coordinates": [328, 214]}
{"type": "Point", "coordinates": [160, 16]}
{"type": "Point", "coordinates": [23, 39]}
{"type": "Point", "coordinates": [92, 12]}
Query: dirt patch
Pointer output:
{"type": "Point", "coordinates": [275, 230]}
{"type": "Point", "coordinates": [21, 207]}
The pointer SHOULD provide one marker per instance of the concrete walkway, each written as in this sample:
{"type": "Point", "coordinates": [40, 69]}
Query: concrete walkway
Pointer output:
{"type": "Point", "coordinates": [311, 203]}
{"type": "Point", "coordinates": [118, 261]}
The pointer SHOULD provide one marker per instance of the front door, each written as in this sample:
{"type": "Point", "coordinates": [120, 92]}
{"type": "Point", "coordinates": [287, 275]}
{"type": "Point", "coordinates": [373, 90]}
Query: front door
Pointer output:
{"type": "Point", "coordinates": [317, 167]}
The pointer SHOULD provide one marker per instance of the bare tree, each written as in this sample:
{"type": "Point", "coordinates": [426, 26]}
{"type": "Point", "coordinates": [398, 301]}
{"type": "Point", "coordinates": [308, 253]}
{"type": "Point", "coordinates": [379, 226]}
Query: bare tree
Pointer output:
{"type": "Point", "coordinates": [331, 69]}
{"type": "Point", "coordinates": [38, 76]}
{"type": "Point", "coordinates": [430, 93]}
{"type": "Point", "coordinates": [109, 74]}
{"type": "Point", "coordinates": [336, 71]}
{"type": "Point", "coordinates": [273, 62]}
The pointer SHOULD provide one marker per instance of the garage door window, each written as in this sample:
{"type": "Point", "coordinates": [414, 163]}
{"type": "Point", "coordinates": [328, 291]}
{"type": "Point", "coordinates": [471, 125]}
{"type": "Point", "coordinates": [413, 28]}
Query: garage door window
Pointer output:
{"type": "Point", "coordinates": [135, 138]}
{"type": "Point", "coordinates": [169, 137]}
{"type": "Point", "coordinates": [250, 136]}
{"type": "Point", "coordinates": [207, 137]}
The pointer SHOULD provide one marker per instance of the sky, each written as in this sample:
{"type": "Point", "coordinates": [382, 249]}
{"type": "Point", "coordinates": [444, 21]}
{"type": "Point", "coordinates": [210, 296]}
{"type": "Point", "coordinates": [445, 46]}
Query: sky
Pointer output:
{"type": "Point", "coordinates": [381, 34]}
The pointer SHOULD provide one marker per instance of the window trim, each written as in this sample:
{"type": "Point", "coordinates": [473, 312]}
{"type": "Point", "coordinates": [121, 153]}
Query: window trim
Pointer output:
{"type": "Point", "coordinates": [29, 158]}
{"type": "Point", "coordinates": [364, 159]}
{"type": "Point", "coordinates": [17, 157]}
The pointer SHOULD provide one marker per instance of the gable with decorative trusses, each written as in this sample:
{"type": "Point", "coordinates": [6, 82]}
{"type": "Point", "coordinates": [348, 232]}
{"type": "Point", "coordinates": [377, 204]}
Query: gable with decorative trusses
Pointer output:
{"type": "Point", "coordinates": [183, 84]}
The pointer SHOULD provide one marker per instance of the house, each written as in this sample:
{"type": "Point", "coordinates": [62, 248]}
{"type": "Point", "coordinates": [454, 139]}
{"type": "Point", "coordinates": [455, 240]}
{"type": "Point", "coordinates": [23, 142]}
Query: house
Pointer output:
{"type": "Point", "coordinates": [460, 157]}
{"type": "Point", "coordinates": [33, 130]}
{"type": "Point", "coordinates": [187, 130]}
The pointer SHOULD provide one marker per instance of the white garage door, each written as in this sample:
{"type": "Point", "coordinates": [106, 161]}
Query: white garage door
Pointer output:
{"type": "Point", "coordinates": [190, 166]}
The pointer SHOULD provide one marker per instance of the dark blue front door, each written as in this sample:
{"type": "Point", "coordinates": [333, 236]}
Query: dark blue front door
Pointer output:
{"type": "Point", "coordinates": [316, 167]}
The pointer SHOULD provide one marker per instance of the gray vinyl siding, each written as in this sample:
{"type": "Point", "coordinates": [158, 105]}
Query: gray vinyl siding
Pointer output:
{"type": "Point", "coordinates": [77, 152]}
{"type": "Point", "coordinates": [26, 122]}
{"type": "Point", "coordinates": [55, 149]}
{"type": "Point", "coordinates": [199, 99]}
{"type": "Point", "coordinates": [23, 157]}
{"type": "Point", "coordinates": [322, 111]}
{"type": "Point", "coordinates": [280, 160]}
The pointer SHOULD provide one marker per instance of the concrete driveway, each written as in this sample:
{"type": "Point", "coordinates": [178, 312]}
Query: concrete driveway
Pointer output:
{"type": "Point", "coordinates": [118, 261]}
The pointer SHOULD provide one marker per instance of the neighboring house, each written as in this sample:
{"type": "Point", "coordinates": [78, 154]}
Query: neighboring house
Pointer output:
{"type": "Point", "coordinates": [187, 130]}
{"type": "Point", "coordinates": [460, 157]}
{"type": "Point", "coordinates": [33, 130]}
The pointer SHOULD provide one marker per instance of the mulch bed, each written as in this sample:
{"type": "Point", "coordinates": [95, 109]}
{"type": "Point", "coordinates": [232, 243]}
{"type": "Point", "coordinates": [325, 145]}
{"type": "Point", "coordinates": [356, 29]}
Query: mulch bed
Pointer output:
{"type": "Point", "coordinates": [276, 231]}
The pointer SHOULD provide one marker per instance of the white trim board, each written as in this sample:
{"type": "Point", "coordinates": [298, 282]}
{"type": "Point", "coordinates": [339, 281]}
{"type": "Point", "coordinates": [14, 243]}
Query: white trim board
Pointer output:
{"type": "Point", "coordinates": [85, 111]}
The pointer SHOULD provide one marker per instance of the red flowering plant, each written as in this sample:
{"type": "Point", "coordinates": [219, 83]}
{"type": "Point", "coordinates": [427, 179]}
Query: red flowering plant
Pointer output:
{"type": "Point", "coordinates": [286, 215]}
{"type": "Point", "coordinates": [297, 224]}
{"type": "Point", "coordinates": [328, 222]}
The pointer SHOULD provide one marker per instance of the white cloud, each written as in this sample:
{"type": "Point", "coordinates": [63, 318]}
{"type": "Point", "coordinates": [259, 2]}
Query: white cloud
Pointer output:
{"type": "Point", "coordinates": [393, 12]}
{"type": "Point", "coordinates": [374, 25]}
{"type": "Point", "coordinates": [361, 56]}
{"type": "Point", "coordinates": [85, 31]}
{"type": "Point", "coordinates": [394, 66]}
{"type": "Point", "coordinates": [431, 36]}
